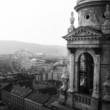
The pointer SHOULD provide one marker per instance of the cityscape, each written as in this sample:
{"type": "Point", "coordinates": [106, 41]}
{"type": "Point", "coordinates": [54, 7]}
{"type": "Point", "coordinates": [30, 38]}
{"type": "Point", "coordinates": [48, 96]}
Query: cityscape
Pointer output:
{"type": "Point", "coordinates": [72, 77]}
{"type": "Point", "coordinates": [30, 81]}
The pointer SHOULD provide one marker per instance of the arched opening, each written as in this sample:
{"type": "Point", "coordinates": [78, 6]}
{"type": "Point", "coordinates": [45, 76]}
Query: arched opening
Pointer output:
{"type": "Point", "coordinates": [85, 73]}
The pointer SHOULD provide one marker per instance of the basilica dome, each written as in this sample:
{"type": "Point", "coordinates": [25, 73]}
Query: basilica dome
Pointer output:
{"type": "Point", "coordinates": [85, 1]}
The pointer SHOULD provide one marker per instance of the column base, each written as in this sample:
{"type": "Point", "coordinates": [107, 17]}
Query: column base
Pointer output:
{"type": "Point", "coordinates": [69, 101]}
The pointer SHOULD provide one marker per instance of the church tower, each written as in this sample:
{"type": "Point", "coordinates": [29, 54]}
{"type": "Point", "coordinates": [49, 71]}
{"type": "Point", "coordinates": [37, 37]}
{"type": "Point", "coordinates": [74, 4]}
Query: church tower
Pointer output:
{"type": "Point", "coordinates": [88, 85]}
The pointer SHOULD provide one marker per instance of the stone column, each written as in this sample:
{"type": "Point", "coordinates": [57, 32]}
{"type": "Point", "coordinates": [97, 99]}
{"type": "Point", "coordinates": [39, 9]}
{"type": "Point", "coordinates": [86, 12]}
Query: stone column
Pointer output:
{"type": "Point", "coordinates": [71, 73]}
{"type": "Point", "coordinates": [76, 76]}
{"type": "Point", "coordinates": [96, 85]}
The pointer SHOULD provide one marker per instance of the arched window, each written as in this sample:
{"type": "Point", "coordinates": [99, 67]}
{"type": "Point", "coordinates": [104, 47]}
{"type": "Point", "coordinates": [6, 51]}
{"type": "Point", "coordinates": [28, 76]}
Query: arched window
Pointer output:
{"type": "Point", "coordinates": [85, 73]}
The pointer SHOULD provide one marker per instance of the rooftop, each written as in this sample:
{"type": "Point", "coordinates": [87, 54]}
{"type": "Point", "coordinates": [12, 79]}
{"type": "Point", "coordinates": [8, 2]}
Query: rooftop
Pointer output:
{"type": "Point", "coordinates": [20, 91]}
{"type": "Point", "coordinates": [39, 97]}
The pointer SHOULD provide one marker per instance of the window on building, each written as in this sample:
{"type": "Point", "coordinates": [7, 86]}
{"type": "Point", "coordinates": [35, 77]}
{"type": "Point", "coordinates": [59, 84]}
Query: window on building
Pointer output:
{"type": "Point", "coordinates": [85, 75]}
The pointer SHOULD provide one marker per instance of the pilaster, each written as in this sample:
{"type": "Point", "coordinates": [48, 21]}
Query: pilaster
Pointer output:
{"type": "Point", "coordinates": [71, 73]}
{"type": "Point", "coordinates": [96, 77]}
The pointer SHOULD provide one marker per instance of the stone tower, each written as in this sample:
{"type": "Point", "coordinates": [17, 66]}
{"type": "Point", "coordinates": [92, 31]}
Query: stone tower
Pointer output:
{"type": "Point", "coordinates": [88, 85]}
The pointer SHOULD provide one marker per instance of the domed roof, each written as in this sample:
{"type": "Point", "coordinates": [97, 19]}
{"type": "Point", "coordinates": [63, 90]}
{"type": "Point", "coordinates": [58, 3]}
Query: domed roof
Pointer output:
{"type": "Point", "coordinates": [84, 1]}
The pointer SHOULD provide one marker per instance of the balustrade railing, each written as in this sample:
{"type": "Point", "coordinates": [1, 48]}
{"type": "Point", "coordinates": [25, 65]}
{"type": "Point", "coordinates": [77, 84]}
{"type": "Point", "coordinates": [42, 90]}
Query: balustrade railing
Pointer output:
{"type": "Point", "coordinates": [82, 99]}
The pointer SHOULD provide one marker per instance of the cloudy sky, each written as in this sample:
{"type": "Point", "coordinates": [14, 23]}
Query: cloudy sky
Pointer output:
{"type": "Point", "coordinates": [35, 21]}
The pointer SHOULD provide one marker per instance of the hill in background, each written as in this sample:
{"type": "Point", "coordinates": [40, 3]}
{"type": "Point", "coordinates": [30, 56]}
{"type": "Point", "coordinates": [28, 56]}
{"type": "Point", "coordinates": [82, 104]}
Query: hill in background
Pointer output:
{"type": "Point", "coordinates": [7, 47]}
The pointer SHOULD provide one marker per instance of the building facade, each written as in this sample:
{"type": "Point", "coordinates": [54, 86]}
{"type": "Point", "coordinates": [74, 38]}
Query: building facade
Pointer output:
{"type": "Point", "coordinates": [88, 46]}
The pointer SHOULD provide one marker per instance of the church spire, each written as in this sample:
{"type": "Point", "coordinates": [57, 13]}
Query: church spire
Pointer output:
{"type": "Point", "coordinates": [71, 28]}
{"type": "Point", "coordinates": [106, 24]}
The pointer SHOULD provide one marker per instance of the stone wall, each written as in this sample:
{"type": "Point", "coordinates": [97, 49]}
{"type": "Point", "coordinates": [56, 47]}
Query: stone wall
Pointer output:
{"type": "Point", "coordinates": [105, 65]}
{"type": "Point", "coordinates": [91, 16]}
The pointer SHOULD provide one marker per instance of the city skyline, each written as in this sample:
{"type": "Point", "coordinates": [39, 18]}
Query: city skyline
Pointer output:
{"type": "Point", "coordinates": [41, 22]}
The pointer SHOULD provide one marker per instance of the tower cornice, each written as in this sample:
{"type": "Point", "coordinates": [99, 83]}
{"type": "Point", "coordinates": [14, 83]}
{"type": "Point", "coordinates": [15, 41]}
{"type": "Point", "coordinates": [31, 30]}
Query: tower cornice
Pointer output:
{"type": "Point", "coordinates": [91, 3]}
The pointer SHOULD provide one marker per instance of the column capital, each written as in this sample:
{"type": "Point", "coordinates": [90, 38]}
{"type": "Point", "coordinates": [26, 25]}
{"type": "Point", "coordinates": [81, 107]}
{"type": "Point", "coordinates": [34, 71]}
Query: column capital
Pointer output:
{"type": "Point", "coordinates": [97, 51]}
{"type": "Point", "coordinates": [72, 50]}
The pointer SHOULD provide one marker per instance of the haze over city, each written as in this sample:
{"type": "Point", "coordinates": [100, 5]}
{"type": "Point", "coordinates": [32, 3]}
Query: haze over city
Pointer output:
{"type": "Point", "coordinates": [36, 21]}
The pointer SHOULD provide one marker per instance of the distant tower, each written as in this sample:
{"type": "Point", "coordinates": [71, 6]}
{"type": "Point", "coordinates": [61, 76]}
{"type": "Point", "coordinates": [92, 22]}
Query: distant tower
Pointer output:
{"type": "Point", "coordinates": [89, 57]}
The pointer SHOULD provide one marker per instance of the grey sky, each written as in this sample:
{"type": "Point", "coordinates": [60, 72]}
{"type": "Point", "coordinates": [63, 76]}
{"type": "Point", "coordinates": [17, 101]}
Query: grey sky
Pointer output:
{"type": "Point", "coordinates": [37, 21]}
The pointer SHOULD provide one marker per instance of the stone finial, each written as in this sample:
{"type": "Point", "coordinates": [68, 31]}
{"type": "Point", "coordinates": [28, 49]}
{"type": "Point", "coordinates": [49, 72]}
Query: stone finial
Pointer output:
{"type": "Point", "coordinates": [107, 12]}
{"type": "Point", "coordinates": [71, 28]}
{"type": "Point", "coordinates": [72, 18]}
{"type": "Point", "coordinates": [106, 24]}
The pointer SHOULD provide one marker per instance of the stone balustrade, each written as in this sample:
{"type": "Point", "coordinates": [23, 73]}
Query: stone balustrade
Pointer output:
{"type": "Point", "coordinates": [82, 99]}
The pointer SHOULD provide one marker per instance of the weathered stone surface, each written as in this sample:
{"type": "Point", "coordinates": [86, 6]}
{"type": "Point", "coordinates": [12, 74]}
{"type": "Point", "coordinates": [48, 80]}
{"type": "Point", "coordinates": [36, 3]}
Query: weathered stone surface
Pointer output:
{"type": "Point", "coordinates": [105, 54]}
{"type": "Point", "coordinates": [69, 101]}
{"type": "Point", "coordinates": [85, 1]}
{"type": "Point", "coordinates": [89, 39]}
{"type": "Point", "coordinates": [91, 16]}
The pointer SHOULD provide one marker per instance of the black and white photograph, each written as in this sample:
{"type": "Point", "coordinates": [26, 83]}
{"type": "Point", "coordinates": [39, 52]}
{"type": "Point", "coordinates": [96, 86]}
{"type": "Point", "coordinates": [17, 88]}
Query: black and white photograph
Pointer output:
{"type": "Point", "coordinates": [54, 54]}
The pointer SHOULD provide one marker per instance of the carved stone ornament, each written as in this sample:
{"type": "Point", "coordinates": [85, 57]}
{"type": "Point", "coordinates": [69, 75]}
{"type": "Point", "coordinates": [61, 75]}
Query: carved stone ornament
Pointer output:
{"type": "Point", "coordinates": [106, 24]}
{"type": "Point", "coordinates": [63, 89]}
{"type": "Point", "coordinates": [83, 32]}
{"type": "Point", "coordinates": [107, 89]}
{"type": "Point", "coordinates": [64, 79]}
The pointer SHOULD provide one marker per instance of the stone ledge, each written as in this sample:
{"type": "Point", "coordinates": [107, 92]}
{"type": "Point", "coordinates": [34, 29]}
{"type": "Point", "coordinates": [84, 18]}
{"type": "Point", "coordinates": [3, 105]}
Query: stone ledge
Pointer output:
{"type": "Point", "coordinates": [60, 107]}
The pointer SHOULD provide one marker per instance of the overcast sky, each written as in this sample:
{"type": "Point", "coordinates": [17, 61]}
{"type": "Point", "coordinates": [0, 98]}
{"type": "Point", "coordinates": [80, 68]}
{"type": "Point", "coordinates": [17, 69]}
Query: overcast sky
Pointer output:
{"type": "Point", "coordinates": [36, 21]}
